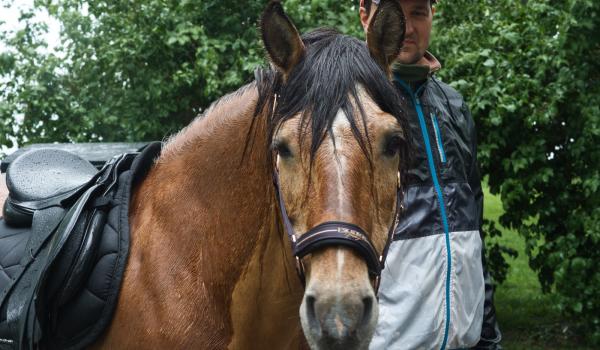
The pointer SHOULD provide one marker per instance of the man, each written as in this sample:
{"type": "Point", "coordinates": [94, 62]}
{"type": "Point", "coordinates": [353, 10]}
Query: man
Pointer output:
{"type": "Point", "coordinates": [435, 291]}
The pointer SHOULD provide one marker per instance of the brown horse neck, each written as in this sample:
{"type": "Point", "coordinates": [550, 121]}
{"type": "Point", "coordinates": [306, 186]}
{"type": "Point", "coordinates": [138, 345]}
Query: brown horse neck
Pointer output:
{"type": "Point", "coordinates": [204, 226]}
{"type": "Point", "coordinates": [213, 189]}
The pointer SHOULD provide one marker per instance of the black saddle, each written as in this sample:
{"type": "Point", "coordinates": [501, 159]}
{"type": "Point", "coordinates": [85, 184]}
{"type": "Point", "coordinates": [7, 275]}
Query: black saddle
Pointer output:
{"type": "Point", "coordinates": [64, 240]}
{"type": "Point", "coordinates": [40, 179]}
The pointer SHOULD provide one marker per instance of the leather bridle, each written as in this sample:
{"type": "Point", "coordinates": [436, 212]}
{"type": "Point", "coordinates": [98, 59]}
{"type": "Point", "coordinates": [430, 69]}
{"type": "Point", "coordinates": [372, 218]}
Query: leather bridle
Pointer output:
{"type": "Point", "coordinates": [336, 233]}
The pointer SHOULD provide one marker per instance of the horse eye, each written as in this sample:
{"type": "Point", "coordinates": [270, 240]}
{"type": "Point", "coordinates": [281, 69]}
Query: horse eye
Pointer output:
{"type": "Point", "coordinates": [392, 145]}
{"type": "Point", "coordinates": [282, 149]}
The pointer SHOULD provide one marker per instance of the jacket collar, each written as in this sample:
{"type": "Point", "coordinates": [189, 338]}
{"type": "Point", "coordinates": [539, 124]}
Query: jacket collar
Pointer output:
{"type": "Point", "coordinates": [429, 60]}
{"type": "Point", "coordinates": [414, 75]}
{"type": "Point", "coordinates": [419, 71]}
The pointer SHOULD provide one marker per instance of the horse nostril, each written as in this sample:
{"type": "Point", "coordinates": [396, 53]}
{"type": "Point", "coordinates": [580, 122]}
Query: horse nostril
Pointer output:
{"type": "Point", "coordinates": [311, 313]}
{"type": "Point", "coordinates": [367, 310]}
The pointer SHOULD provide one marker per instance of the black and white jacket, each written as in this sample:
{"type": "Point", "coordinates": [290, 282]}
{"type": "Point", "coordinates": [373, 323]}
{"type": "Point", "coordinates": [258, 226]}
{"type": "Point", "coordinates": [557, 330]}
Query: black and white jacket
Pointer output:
{"type": "Point", "coordinates": [432, 290]}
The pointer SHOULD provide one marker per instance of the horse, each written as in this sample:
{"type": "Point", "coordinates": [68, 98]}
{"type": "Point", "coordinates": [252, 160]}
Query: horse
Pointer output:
{"type": "Point", "coordinates": [317, 142]}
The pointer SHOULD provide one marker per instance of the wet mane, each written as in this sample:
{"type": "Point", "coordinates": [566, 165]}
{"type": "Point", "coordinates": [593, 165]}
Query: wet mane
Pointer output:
{"type": "Point", "coordinates": [327, 79]}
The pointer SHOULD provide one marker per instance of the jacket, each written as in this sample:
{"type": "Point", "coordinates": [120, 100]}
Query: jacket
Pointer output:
{"type": "Point", "coordinates": [432, 289]}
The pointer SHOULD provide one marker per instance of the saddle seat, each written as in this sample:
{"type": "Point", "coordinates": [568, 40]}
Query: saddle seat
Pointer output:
{"type": "Point", "coordinates": [42, 178]}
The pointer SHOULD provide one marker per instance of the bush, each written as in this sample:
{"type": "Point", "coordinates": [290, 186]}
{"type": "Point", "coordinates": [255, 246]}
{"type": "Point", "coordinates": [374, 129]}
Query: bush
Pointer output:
{"type": "Point", "coordinates": [530, 72]}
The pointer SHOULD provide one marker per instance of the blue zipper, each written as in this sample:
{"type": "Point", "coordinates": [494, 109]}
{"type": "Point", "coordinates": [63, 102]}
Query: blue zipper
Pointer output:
{"type": "Point", "coordinates": [438, 190]}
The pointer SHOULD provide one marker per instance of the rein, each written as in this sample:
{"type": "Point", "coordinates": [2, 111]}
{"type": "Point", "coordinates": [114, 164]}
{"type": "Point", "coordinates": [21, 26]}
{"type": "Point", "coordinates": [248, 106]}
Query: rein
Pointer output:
{"type": "Point", "coordinates": [333, 233]}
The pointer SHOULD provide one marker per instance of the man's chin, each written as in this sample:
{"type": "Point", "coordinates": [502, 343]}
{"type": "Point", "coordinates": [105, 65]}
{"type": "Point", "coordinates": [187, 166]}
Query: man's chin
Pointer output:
{"type": "Point", "coordinates": [409, 57]}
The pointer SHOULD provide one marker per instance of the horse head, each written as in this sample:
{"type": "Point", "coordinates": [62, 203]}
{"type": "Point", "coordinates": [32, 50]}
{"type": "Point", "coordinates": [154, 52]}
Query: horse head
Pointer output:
{"type": "Point", "coordinates": [339, 145]}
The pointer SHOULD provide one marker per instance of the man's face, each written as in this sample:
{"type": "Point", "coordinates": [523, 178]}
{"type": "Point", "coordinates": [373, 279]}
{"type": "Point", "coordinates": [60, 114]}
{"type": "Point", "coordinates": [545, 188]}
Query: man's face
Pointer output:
{"type": "Point", "coordinates": [419, 16]}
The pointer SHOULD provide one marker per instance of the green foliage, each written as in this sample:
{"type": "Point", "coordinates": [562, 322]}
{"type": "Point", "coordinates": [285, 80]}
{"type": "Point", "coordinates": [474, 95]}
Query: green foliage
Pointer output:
{"type": "Point", "coordinates": [495, 252]}
{"type": "Point", "coordinates": [135, 70]}
{"type": "Point", "coordinates": [530, 73]}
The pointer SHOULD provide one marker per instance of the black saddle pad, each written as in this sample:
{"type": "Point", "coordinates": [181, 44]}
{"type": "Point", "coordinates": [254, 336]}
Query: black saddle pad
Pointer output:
{"type": "Point", "coordinates": [12, 248]}
{"type": "Point", "coordinates": [40, 306]}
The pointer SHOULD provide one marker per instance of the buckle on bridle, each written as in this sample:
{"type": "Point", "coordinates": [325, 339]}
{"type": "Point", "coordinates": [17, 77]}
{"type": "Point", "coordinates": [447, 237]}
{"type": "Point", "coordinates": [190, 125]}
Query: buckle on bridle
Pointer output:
{"type": "Point", "coordinates": [300, 270]}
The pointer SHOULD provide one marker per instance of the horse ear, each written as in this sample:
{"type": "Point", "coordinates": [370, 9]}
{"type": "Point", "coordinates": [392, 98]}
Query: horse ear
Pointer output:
{"type": "Point", "coordinates": [281, 38]}
{"type": "Point", "coordinates": [386, 33]}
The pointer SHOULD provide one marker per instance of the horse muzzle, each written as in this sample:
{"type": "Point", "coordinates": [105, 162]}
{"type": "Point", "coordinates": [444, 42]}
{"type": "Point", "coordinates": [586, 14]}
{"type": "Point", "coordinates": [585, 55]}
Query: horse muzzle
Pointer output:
{"type": "Point", "coordinates": [339, 309]}
{"type": "Point", "coordinates": [345, 323]}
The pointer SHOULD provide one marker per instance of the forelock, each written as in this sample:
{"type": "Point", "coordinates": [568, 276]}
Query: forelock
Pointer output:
{"type": "Point", "coordinates": [327, 80]}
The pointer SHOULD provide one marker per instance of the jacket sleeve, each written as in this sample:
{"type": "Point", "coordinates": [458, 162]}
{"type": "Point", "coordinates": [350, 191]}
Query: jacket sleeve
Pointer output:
{"type": "Point", "coordinates": [473, 175]}
{"type": "Point", "coordinates": [490, 332]}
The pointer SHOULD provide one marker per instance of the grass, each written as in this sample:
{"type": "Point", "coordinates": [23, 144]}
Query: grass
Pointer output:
{"type": "Point", "coordinates": [528, 319]}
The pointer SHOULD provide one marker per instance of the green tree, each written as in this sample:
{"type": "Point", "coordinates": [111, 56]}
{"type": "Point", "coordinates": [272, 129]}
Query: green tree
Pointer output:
{"type": "Point", "coordinates": [530, 73]}
{"type": "Point", "coordinates": [136, 70]}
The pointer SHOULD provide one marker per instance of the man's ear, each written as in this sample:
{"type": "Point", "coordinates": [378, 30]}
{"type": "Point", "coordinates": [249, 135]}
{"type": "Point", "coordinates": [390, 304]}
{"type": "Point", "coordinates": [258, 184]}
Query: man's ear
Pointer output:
{"type": "Point", "coordinates": [386, 33]}
{"type": "Point", "coordinates": [280, 37]}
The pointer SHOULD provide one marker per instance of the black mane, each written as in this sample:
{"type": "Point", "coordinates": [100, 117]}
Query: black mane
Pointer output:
{"type": "Point", "coordinates": [325, 81]}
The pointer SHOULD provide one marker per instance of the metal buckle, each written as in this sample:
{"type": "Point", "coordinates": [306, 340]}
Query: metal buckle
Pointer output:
{"type": "Point", "coordinates": [300, 271]}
